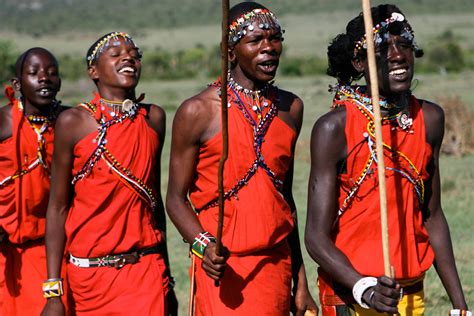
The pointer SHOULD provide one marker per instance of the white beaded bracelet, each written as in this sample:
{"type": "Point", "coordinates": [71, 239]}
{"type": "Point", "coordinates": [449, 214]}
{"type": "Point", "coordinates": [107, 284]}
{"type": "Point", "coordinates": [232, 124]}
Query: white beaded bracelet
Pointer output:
{"type": "Point", "coordinates": [360, 287]}
{"type": "Point", "coordinates": [459, 312]}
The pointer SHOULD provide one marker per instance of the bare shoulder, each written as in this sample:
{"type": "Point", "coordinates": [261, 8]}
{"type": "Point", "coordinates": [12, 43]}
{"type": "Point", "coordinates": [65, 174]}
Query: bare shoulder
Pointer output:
{"type": "Point", "coordinates": [433, 115]}
{"type": "Point", "coordinates": [432, 111]}
{"type": "Point", "coordinates": [156, 119]}
{"type": "Point", "coordinates": [199, 116]}
{"type": "Point", "coordinates": [5, 122]}
{"type": "Point", "coordinates": [331, 123]}
{"type": "Point", "coordinates": [328, 138]}
{"type": "Point", "coordinates": [74, 123]}
{"type": "Point", "coordinates": [289, 101]}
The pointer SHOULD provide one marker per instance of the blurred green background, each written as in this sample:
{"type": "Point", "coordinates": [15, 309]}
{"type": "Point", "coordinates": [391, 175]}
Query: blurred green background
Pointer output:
{"type": "Point", "coordinates": [180, 42]}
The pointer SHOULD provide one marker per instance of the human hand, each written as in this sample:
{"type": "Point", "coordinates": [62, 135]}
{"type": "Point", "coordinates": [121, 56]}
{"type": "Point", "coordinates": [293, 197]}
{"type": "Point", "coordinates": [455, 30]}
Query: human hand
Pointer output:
{"type": "Point", "coordinates": [54, 307]}
{"type": "Point", "coordinates": [303, 303]}
{"type": "Point", "coordinates": [172, 303]}
{"type": "Point", "coordinates": [214, 265]}
{"type": "Point", "coordinates": [384, 296]}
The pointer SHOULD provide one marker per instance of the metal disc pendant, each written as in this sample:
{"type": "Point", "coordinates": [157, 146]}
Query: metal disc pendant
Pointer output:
{"type": "Point", "coordinates": [404, 120]}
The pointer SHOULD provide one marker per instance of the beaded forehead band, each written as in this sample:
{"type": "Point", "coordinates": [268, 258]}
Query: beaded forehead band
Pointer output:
{"type": "Point", "coordinates": [243, 24]}
{"type": "Point", "coordinates": [105, 43]}
{"type": "Point", "coordinates": [381, 34]}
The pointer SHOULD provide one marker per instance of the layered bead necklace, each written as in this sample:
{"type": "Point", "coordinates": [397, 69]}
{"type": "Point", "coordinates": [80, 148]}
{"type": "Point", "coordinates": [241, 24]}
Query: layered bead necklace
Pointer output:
{"type": "Point", "coordinates": [108, 114]}
{"type": "Point", "coordinates": [364, 105]}
{"type": "Point", "coordinates": [39, 124]}
{"type": "Point", "coordinates": [258, 99]}
{"type": "Point", "coordinates": [238, 96]}
{"type": "Point", "coordinates": [400, 115]}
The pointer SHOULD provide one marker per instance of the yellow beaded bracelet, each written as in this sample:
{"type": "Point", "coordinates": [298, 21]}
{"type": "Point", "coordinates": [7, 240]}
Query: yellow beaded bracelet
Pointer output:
{"type": "Point", "coordinates": [53, 288]}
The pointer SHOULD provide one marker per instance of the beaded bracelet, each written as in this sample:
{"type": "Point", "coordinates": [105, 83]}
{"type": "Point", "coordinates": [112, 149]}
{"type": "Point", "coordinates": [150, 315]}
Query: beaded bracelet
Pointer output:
{"type": "Point", "coordinates": [360, 287]}
{"type": "Point", "coordinates": [459, 312]}
{"type": "Point", "coordinates": [200, 243]}
{"type": "Point", "coordinates": [53, 288]}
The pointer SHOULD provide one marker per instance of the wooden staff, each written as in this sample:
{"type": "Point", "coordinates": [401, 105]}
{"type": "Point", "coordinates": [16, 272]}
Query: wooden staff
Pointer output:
{"type": "Point", "coordinates": [225, 143]}
{"type": "Point", "coordinates": [374, 88]}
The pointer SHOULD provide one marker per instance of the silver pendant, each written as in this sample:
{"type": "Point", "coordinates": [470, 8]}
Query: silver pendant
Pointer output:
{"type": "Point", "coordinates": [404, 120]}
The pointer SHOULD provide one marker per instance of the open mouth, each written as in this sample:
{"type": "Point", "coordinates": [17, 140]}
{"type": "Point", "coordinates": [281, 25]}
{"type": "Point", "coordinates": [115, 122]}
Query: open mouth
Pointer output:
{"type": "Point", "coordinates": [46, 92]}
{"type": "Point", "coordinates": [399, 74]}
{"type": "Point", "coordinates": [127, 70]}
{"type": "Point", "coordinates": [269, 66]}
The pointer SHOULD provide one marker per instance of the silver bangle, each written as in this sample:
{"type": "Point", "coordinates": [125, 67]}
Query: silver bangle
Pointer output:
{"type": "Point", "coordinates": [460, 312]}
{"type": "Point", "coordinates": [360, 287]}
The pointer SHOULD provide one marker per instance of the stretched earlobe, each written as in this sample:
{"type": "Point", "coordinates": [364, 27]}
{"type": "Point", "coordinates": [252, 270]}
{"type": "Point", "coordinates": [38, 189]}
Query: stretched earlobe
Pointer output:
{"type": "Point", "coordinates": [16, 83]}
{"type": "Point", "coordinates": [358, 64]}
{"type": "Point", "coordinates": [92, 71]}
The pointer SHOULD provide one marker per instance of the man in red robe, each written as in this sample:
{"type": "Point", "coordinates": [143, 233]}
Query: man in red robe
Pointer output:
{"type": "Point", "coordinates": [343, 232]}
{"type": "Point", "coordinates": [111, 220]}
{"type": "Point", "coordinates": [260, 231]}
{"type": "Point", "coordinates": [26, 146]}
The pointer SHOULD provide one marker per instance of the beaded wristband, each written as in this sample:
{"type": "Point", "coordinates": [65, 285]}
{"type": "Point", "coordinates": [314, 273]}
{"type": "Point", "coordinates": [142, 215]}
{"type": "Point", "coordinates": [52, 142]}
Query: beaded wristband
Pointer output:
{"type": "Point", "coordinates": [360, 287]}
{"type": "Point", "coordinates": [200, 243]}
{"type": "Point", "coordinates": [53, 288]}
{"type": "Point", "coordinates": [459, 312]}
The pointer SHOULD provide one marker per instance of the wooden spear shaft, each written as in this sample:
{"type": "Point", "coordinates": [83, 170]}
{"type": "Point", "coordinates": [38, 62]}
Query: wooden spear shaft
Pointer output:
{"type": "Point", "coordinates": [225, 137]}
{"type": "Point", "coordinates": [374, 88]}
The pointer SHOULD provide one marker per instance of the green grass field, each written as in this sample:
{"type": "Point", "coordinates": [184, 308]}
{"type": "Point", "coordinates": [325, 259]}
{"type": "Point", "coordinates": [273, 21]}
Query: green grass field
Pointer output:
{"type": "Point", "coordinates": [306, 35]}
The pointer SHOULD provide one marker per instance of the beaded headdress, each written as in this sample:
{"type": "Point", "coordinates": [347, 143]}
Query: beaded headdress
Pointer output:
{"type": "Point", "coordinates": [265, 20]}
{"type": "Point", "coordinates": [106, 41]}
{"type": "Point", "coordinates": [382, 33]}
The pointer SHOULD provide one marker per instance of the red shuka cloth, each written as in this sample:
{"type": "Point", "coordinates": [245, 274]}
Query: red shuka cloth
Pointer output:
{"type": "Point", "coordinates": [107, 217]}
{"type": "Point", "coordinates": [256, 223]}
{"type": "Point", "coordinates": [23, 201]}
{"type": "Point", "coordinates": [358, 232]}
{"type": "Point", "coordinates": [23, 204]}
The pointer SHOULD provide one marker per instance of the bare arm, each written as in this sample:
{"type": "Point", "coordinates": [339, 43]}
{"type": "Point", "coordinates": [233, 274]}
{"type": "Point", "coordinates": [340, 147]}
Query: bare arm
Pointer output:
{"type": "Point", "coordinates": [71, 126]}
{"type": "Point", "coordinates": [328, 150]}
{"type": "Point", "coordinates": [190, 124]}
{"type": "Point", "coordinates": [302, 296]}
{"type": "Point", "coordinates": [436, 223]}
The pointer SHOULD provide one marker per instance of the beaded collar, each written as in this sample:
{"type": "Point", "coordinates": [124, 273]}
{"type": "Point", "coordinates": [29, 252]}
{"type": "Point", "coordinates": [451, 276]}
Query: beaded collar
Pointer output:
{"type": "Point", "coordinates": [252, 93]}
{"type": "Point", "coordinates": [355, 95]}
{"type": "Point", "coordinates": [35, 119]}
{"type": "Point", "coordinates": [115, 108]}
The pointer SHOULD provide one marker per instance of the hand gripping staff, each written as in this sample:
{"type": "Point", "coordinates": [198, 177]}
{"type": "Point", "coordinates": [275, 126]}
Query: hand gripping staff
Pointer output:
{"type": "Point", "coordinates": [374, 88]}
{"type": "Point", "coordinates": [225, 143]}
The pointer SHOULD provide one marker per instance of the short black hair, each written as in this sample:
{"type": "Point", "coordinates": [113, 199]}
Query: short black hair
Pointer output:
{"type": "Point", "coordinates": [20, 62]}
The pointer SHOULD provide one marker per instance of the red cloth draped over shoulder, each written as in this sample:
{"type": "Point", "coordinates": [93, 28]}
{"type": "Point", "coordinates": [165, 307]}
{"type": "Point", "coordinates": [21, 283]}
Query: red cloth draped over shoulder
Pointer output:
{"type": "Point", "coordinates": [259, 217]}
{"type": "Point", "coordinates": [106, 216]}
{"type": "Point", "coordinates": [23, 201]}
{"type": "Point", "coordinates": [358, 232]}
